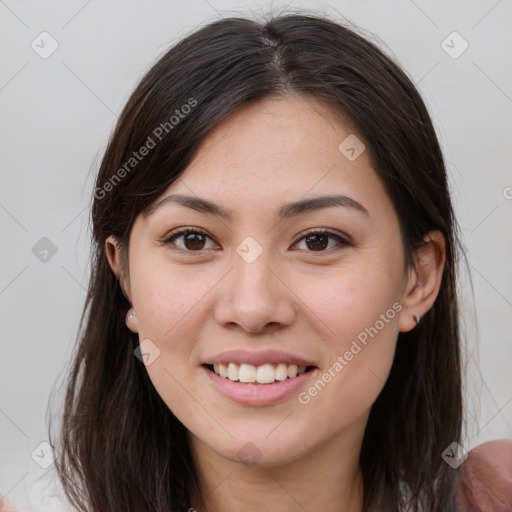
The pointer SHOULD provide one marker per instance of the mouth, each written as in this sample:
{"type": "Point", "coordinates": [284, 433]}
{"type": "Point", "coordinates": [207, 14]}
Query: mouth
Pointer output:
{"type": "Point", "coordinates": [263, 374]}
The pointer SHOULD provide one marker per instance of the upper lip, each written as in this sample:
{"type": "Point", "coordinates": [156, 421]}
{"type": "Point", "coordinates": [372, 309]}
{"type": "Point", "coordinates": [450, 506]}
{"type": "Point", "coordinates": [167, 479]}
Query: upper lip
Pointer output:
{"type": "Point", "coordinates": [257, 358]}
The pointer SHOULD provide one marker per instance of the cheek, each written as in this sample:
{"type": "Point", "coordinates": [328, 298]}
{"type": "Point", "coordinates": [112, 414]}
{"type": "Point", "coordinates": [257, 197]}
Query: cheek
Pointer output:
{"type": "Point", "coordinates": [166, 302]}
{"type": "Point", "coordinates": [357, 358]}
{"type": "Point", "coordinates": [168, 305]}
{"type": "Point", "coordinates": [351, 302]}
{"type": "Point", "coordinates": [360, 311]}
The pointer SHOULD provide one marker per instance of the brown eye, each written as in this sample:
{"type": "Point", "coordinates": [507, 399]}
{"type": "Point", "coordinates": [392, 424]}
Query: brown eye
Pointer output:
{"type": "Point", "coordinates": [321, 241]}
{"type": "Point", "coordinates": [191, 240]}
{"type": "Point", "coordinates": [317, 242]}
{"type": "Point", "coordinates": [194, 241]}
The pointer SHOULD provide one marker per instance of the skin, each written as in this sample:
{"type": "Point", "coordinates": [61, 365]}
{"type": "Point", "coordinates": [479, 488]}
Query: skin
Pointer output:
{"type": "Point", "coordinates": [294, 297]}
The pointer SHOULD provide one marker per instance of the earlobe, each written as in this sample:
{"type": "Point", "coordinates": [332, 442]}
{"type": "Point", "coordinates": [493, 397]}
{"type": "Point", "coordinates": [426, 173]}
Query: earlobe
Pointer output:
{"type": "Point", "coordinates": [424, 281]}
{"type": "Point", "coordinates": [131, 321]}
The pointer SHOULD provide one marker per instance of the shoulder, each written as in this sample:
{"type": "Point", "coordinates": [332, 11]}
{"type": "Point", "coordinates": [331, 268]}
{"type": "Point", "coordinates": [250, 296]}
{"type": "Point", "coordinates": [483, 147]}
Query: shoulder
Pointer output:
{"type": "Point", "coordinates": [5, 506]}
{"type": "Point", "coordinates": [486, 478]}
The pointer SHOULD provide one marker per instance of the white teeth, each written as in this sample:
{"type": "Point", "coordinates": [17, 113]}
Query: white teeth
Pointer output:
{"type": "Point", "coordinates": [232, 371]}
{"type": "Point", "coordinates": [247, 373]}
{"type": "Point", "coordinates": [281, 372]}
{"type": "Point", "coordinates": [264, 374]}
{"type": "Point", "coordinates": [223, 370]}
{"type": "Point", "coordinates": [292, 371]}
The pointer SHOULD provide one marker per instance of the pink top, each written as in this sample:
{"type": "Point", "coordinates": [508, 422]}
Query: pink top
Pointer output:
{"type": "Point", "coordinates": [485, 480]}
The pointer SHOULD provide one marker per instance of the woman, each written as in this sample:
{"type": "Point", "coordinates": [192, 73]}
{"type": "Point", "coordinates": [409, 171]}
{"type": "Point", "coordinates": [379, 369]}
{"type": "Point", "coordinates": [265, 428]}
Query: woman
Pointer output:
{"type": "Point", "coordinates": [272, 317]}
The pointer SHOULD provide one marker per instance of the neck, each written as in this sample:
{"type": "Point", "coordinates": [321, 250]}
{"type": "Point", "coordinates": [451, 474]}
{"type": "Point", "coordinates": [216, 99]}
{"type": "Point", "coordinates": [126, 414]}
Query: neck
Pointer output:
{"type": "Point", "coordinates": [328, 479]}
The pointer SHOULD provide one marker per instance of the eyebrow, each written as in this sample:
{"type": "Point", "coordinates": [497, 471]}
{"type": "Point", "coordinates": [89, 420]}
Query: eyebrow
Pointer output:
{"type": "Point", "coordinates": [285, 211]}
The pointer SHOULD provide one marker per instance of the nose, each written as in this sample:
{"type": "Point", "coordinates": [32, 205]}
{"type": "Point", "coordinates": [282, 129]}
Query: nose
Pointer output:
{"type": "Point", "coordinates": [255, 298]}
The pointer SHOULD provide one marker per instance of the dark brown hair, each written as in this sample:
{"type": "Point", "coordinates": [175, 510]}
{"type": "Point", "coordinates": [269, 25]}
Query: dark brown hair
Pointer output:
{"type": "Point", "coordinates": [121, 448]}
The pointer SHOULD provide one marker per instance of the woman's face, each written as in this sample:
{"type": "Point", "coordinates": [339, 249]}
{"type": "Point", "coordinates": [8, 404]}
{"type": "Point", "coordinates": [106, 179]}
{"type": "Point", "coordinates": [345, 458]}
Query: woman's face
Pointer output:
{"type": "Point", "coordinates": [257, 294]}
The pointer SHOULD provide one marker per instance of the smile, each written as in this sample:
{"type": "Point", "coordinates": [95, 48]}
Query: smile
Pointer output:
{"type": "Point", "coordinates": [263, 374]}
{"type": "Point", "coordinates": [258, 378]}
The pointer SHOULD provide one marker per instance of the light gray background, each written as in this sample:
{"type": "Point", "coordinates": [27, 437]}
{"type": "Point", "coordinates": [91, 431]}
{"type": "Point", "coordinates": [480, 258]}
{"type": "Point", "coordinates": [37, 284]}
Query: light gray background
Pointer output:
{"type": "Point", "coordinates": [56, 116]}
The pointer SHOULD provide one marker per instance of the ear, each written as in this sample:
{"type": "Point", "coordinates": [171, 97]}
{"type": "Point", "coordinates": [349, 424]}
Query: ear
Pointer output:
{"type": "Point", "coordinates": [424, 280]}
{"type": "Point", "coordinates": [115, 260]}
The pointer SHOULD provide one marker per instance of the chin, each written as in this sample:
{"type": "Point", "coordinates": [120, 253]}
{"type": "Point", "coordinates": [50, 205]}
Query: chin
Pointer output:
{"type": "Point", "coordinates": [261, 452]}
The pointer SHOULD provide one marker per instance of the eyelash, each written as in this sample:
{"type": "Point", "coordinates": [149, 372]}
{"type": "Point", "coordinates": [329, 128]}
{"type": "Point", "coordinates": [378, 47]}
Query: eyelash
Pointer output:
{"type": "Point", "coordinates": [173, 236]}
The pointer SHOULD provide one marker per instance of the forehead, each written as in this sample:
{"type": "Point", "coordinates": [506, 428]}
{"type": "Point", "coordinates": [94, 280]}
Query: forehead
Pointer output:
{"type": "Point", "coordinates": [279, 148]}
{"type": "Point", "coordinates": [286, 125]}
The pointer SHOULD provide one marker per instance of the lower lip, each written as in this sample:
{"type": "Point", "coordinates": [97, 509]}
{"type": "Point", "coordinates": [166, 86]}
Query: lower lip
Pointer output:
{"type": "Point", "coordinates": [258, 394]}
